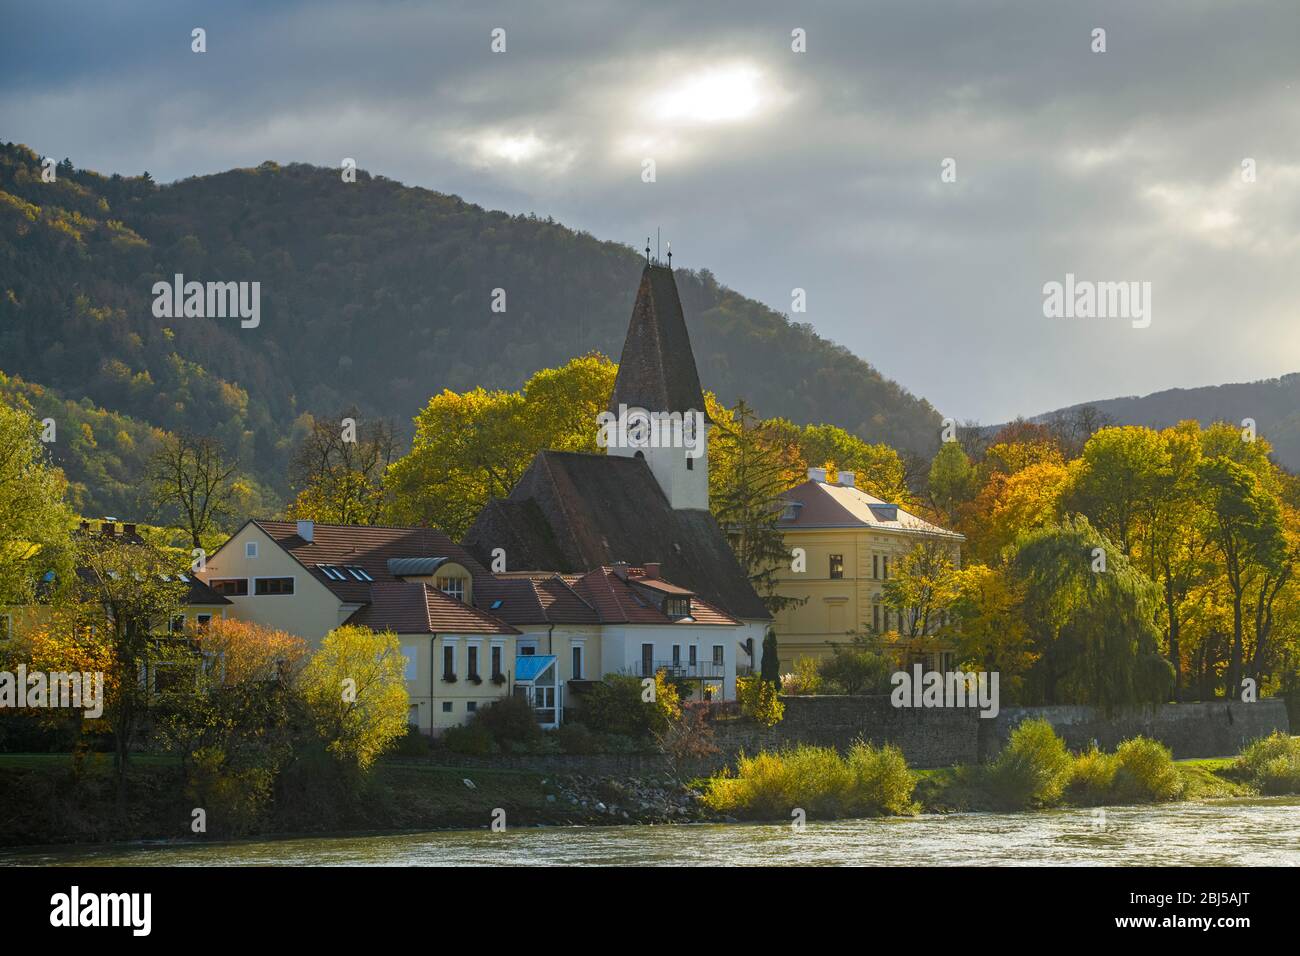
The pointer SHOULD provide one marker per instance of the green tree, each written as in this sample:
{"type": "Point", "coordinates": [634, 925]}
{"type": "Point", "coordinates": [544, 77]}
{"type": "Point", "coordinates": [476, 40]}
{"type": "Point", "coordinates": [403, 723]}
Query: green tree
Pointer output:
{"type": "Point", "coordinates": [1247, 534]}
{"type": "Point", "coordinates": [952, 480]}
{"type": "Point", "coordinates": [770, 670]}
{"type": "Point", "coordinates": [34, 520]}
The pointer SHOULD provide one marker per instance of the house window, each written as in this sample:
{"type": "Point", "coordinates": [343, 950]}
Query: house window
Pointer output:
{"type": "Point", "coordinates": [884, 566]}
{"type": "Point", "coordinates": [452, 587]}
{"type": "Point", "coordinates": [496, 661]}
{"type": "Point", "coordinates": [231, 587]}
{"type": "Point", "coordinates": [250, 549]}
{"type": "Point", "coordinates": [693, 652]}
{"type": "Point", "coordinates": [471, 705]}
{"type": "Point", "coordinates": [837, 565]}
{"type": "Point", "coordinates": [577, 662]}
{"type": "Point", "coordinates": [718, 650]}
{"type": "Point", "coordinates": [678, 607]}
{"type": "Point", "coordinates": [413, 715]}
{"type": "Point", "coordinates": [177, 625]}
{"type": "Point", "coordinates": [446, 707]}
{"type": "Point", "coordinates": [203, 620]}
{"type": "Point", "coordinates": [875, 617]}
{"type": "Point", "coordinates": [265, 586]}
{"type": "Point", "coordinates": [647, 660]}
{"type": "Point", "coordinates": [875, 566]}
{"type": "Point", "coordinates": [528, 650]}
{"type": "Point", "coordinates": [690, 463]}
{"type": "Point", "coordinates": [677, 655]}
{"type": "Point", "coordinates": [448, 662]}
{"type": "Point", "coordinates": [472, 667]}
{"type": "Point", "coordinates": [409, 654]}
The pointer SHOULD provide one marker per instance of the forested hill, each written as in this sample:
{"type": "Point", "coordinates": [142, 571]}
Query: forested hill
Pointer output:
{"type": "Point", "coordinates": [1273, 404]}
{"type": "Point", "coordinates": [373, 294]}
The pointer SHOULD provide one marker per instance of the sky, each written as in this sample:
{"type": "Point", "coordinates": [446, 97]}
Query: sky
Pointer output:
{"type": "Point", "coordinates": [922, 171]}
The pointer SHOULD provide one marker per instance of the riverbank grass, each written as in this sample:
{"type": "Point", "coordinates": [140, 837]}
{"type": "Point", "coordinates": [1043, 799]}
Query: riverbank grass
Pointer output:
{"type": "Point", "coordinates": [868, 781]}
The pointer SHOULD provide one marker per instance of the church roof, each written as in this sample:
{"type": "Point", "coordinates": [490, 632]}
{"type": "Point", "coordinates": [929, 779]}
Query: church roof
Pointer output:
{"type": "Point", "coordinates": [657, 371]}
{"type": "Point", "coordinates": [572, 512]}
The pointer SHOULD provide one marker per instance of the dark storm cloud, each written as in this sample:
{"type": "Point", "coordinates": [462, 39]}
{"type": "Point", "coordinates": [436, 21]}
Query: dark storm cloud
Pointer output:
{"type": "Point", "coordinates": [774, 169]}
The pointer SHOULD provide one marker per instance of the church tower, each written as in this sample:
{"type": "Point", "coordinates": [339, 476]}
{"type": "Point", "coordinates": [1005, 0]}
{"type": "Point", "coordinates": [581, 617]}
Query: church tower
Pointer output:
{"type": "Point", "coordinates": [656, 373]}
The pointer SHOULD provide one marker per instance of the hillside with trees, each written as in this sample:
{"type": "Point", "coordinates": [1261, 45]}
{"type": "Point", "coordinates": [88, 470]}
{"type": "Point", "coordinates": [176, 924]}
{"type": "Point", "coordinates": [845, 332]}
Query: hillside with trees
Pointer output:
{"type": "Point", "coordinates": [374, 296]}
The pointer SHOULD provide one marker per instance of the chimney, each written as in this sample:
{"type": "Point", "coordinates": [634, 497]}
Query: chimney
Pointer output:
{"type": "Point", "coordinates": [848, 479]}
{"type": "Point", "coordinates": [652, 570]}
{"type": "Point", "coordinates": [620, 568]}
{"type": "Point", "coordinates": [306, 529]}
{"type": "Point", "coordinates": [817, 474]}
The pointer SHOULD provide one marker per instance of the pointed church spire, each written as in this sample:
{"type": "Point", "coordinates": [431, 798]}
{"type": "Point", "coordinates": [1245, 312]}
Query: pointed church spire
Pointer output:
{"type": "Point", "coordinates": [657, 368]}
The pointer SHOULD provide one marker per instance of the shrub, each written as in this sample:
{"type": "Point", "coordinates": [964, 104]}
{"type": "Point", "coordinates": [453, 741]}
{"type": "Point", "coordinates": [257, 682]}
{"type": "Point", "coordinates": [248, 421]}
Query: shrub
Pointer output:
{"type": "Point", "coordinates": [1032, 769]}
{"type": "Point", "coordinates": [881, 782]}
{"type": "Point", "coordinates": [1146, 772]}
{"type": "Point", "coordinates": [855, 668]}
{"type": "Point", "coordinates": [472, 739]}
{"type": "Point", "coordinates": [1272, 763]}
{"type": "Point", "coordinates": [412, 744]}
{"type": "Point", "coordinates": [817, 780]}
{"type": "Point", "coordinates": [804, 679]}
{"type": "Point", "coordinates": [509, 720]}
{"type": "Point", "coordinates": [576, 738]}
{"type": "Point", "coordinates": [1093, 776]}
{"type": "Point", "coordinates": [759, 700]}
{"type": "Point", "coordinates": [615, 706]}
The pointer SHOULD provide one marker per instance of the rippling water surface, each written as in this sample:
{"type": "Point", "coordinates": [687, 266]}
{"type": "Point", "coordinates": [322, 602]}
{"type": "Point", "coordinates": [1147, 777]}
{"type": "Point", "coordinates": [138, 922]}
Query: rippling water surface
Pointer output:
{"type": "Point", "coordinates": [1256, 832]}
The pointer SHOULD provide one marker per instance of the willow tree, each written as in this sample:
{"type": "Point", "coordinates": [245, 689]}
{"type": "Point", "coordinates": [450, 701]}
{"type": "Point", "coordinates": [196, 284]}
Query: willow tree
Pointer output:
{"type": "Point", "coordinates": [1090, 615]}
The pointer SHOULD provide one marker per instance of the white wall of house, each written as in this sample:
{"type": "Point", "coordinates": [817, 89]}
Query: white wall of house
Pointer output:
{"type": "Point", "coordinates": [621, 648]}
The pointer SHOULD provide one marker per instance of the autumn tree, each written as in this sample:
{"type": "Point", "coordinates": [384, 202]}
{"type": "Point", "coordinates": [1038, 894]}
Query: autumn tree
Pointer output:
{"type": "Point", "coordinates": [922, 587]}
{"type": "Point", "coordinates": [338, 470]}
{"type": "Point", "coordinates": [470, 447]}
{"type": "Point", "coordinates": [355, 689]}
{"type": "Point", "coordinates": [755, 466]}
{"type": "Point", "coordinates": [124, 596]}
{"type": "Point", "coordinates": [191, 482]}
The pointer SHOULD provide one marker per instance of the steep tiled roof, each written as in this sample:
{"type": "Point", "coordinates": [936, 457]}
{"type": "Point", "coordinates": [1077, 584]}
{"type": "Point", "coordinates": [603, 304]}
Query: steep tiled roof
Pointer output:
{"type": "Point", "coordinates": [412, 607]}
{"type": "Point", "coordinates": [368, 548]}
{"type": "Point", "coordinates": [572, 512]}
{"type": "Point", "coordinates": [823, 505]}
{"type": "Point", "coordinates": [657, 371]}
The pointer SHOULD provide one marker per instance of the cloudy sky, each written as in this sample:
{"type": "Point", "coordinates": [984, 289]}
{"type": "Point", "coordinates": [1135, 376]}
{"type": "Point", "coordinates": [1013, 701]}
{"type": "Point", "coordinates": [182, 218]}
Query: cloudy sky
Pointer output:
{"type": "Point", "coordinates": [776, 169]}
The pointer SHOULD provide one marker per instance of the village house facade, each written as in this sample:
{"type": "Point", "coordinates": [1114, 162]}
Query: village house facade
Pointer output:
{"type": "Point", "coordinates": [852, 543]}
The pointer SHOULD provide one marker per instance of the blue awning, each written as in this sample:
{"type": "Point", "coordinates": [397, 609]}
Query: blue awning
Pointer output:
{"type": "Point", "coordinates": [529, 667]}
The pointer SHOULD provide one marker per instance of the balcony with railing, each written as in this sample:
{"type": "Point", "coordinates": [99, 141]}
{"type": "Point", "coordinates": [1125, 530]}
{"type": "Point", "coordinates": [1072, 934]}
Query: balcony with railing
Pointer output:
{"type": "Point", "coordinates": [683, 670]}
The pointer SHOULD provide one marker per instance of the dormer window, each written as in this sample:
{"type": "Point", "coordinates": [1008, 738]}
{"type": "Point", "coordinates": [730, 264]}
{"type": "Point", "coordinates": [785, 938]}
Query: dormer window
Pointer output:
{"type": "Point", "coordinates": [791, 512]}
{"type": "Point", "coordinates": [677, 607]}
{"type": "Point", "coordinates": [452, 587]}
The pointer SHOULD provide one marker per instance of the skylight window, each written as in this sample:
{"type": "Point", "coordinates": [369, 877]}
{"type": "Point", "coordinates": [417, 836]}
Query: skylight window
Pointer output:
{"type": "Point", "coordinates": [496, 604]}
{"type": "Point", "coordinates": [361, 574]}
{"type": "Point", "coordinates": [331, 572]}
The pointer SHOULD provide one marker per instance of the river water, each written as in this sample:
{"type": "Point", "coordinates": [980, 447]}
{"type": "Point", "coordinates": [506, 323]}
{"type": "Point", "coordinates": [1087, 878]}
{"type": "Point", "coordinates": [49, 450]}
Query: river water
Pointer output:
{"type": "Point", "coordinates": [1248, 832]}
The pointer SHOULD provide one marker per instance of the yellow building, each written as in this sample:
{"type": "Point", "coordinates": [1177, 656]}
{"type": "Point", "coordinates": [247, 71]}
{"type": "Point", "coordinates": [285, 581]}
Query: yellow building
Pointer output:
{"type": "Point", "coordinates": [851, 544]}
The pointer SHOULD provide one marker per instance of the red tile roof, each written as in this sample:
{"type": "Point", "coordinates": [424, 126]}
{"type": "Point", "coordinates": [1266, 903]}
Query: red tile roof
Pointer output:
{"type": "Point", "coordinates": [623, 602]}
{"type": "Point", "coordinates": [412, 607]}
{"type": "Point", "coordinates": [368, 548]}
